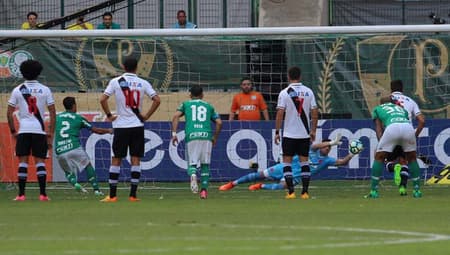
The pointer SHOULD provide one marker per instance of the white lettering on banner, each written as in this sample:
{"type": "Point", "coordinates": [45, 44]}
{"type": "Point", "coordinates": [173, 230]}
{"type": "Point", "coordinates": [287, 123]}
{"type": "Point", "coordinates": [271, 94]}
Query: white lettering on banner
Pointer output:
{"type": "Point", "coordinates": [173, 152]}
{"type": "Point", "coordinates": [92, 141]}
{"type": "Point", "coordinates": [261, 145]}
{"type": "Point", "coordinates": [261, 148]}
{"type": "Point", "coordinates": [439, 147]}
{"type": "Point", "coordinates": [154, 140]}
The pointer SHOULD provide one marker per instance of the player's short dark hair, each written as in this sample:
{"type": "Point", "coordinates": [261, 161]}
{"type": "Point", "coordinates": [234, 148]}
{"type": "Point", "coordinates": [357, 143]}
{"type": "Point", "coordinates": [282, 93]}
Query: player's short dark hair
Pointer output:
{"type": "Point", "coordinates": [30, 69]}
{"type": "Point", "coordinates": [181, 11]}
{"type": "Point", "coordinates": [69, 102]}
{"type": "Point", "coordinates": [196, 90]}
{"type": "Point", "coordinates": [130, 64]}
{"type": "Point", "coordinates": [247, 79]}
{"type": "Point", "coordinates": [294, 73]}
{"type": "Point", "coordinates": [32, 13]}
{"type": "Point", "coordinates": [397, 85]}
{"type": "Point", "coordinates": [107, 14]}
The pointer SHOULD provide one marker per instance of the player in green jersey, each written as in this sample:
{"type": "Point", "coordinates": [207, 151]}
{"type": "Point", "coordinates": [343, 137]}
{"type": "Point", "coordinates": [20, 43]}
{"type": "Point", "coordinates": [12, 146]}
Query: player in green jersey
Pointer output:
{"type": "Point", "coordinates": [199, 137]}
{"type": "Point", "coordinates": [69, 153]}
{"type": "Point", "coordinates": [397, 131]}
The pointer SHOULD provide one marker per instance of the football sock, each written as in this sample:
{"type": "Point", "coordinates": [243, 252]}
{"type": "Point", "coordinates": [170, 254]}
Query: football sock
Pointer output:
{"type": "Point", "coordinates": [71, 177]}
{"type": "Point", "coordinates": [135, 175]}
{"type": "Point", "coordinates": [248, 178]}
{"type": "Point", "coordinates": [191, 170]}
{"type": "Point", "coordinates": [390, 166]}
{"type": "Point", "coordinates": [114, 172]}
{"type": "Point", "coordinates": [22, 175]}
{"type": "Point", "coordinates": [42, 177]}
{"type": "Point", "coordinates": [415, 174]}
{"type": "Point", "coordinates": [92, 177]}
{"type": "Point", "coordinates": [272, 186]}
{"type": "Point", "coordinates": [287, 173]}
{"type": "Point", "coordinates": [306, 176]}
{"type": "Point", "coordinates": [404, 174]}
{"type": "Point", "coordinates": [377, 168]}
{"type": "Point", "coordinates": [204, 176]}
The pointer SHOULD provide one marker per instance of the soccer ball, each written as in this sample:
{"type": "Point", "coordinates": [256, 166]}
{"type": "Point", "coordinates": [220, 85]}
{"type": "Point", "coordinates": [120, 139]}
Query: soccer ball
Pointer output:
{"type": "Point", "coordinates": [355, 146]}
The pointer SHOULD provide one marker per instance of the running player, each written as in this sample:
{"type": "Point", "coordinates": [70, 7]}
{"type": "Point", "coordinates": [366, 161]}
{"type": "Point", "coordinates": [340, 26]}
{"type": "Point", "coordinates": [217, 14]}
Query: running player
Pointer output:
{"type": "Point", "coordinates": [69, 153]}
{"type": "Point", "coordinates": [199, 137]}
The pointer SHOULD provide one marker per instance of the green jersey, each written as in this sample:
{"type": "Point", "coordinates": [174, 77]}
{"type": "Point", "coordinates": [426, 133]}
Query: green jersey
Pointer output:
{"type": "Point", "coordinates": [198, 115]}
{"type": "Point", "coordinates": [67, 131]}
{"type": "Point", "coordinates": [390, 113]}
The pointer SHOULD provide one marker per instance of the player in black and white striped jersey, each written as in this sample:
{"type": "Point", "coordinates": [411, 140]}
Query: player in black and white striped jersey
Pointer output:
{"type": "Point", "coordinates": [297, 105]}
{"type": "Point", "coordinates": [129, 91]}
{"type": "Point", "coordinates": [31, 98]}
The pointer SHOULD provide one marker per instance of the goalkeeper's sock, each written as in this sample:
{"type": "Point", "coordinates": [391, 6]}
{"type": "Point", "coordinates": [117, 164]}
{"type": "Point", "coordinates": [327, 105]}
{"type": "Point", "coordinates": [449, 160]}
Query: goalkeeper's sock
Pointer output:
{"type": "Point", "coordinates": [41, 173]}
{"type": "Point", "coordinates": [377, 168]}
{"type": "Point", "coordinates": [22, 175]}
{"type": "Point", "coordinates": [135, 176]}
{"type": "Point", "coordinates": [415, 174]}
{"type": "Point", "coordinates": [114, 172]}
{"type": "Point", "coordinates": [204, 176]}
{"type": "Point", "coordinates": [248, 178]}
{"type": "Point", "coordinates": [272, 186]}
{"type": "Point", "coordinates": [191, 170]}
{"type": "Point", "coordinates": [71, 177]}
{"type": "Point", "coordinates": [92, 177]}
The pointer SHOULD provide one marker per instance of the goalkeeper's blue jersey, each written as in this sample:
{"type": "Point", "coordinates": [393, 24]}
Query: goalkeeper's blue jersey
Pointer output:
{"type": "Point", "coordinates": [317, 163]}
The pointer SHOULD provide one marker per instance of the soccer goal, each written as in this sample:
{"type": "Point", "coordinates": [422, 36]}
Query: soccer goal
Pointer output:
{"type": "Point", "coordinates": [348, 68]}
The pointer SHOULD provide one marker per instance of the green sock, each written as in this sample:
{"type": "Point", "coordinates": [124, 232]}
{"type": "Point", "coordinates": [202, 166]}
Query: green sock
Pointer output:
{"type": "Point", "coordinates": [191, 170]}
{"type": "Point", "coordinates": [71, 177]}
{"type": "Point", "coordinates": [415, 174]}
{"type": "Point", "coordinates": [377, 169]}
{"type": "Point", "coordinates": [92, 176]}
{"type": "Point", "coordinates": [204, 176]}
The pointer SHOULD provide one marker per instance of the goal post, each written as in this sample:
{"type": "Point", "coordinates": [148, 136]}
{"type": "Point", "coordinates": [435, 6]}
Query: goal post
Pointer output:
{"type": "Point", "coordinates": [348, 68]}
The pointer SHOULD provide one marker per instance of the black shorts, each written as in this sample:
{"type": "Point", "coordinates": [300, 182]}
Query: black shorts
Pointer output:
{"type": "Point", "coordinates": [396, 153]}
{"type": "Point", "coordinates": [34, 144]}
{"type": "Point", "coordinates": [293, 146]}
{"type": "Point", "coordinates": [128, 138]}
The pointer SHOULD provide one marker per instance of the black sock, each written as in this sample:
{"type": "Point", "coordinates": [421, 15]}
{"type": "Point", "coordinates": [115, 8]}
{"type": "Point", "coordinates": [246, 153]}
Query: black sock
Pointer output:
{"type": "Point", "coordinates": [42, 179]}
{"type": "Point", "coordinates": [22, 180]}
{"type": "Point", "coordinates": [287, 173]}
{"type": "Point", "coordinates": [113, 179]}
{"type": "Point", "coordinates": [135, 175]}
{"type": "Point", "coordinates": [404, 174]}
{"type": "Point", "coordinates": [306, 176]}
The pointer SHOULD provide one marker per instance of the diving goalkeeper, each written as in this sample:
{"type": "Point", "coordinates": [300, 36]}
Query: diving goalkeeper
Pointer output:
{"type": "Point", "coordinates": [319, 160]}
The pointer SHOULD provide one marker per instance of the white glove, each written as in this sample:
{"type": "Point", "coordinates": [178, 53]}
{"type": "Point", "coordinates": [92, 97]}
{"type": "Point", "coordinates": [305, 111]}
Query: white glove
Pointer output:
{"type": "Point", "coordinates": [336, 140]}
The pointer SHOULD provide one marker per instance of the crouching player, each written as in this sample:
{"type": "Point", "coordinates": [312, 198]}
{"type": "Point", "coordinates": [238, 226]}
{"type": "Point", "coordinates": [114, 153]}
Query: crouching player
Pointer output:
{"type": "Point", "coordinates": [319, 160]}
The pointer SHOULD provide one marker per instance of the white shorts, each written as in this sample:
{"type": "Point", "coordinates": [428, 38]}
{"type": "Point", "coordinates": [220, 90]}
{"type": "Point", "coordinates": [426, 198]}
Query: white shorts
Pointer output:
{"type": "Point", "coordinates": [198, 152]}
{"type": "Point", "coordinates": [74, 160]}
{"type": "Point", "coordinates": [402, 134]}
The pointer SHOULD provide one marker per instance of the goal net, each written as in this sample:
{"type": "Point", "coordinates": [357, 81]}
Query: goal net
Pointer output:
{"type": "Point", "coordinates": [348, 68]}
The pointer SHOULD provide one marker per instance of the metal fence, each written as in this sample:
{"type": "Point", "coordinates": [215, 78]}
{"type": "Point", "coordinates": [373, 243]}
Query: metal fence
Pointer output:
{"type": "Point", "coordinates": [136, 13]}
{"type": "Point", "coordinates": [388, 12]}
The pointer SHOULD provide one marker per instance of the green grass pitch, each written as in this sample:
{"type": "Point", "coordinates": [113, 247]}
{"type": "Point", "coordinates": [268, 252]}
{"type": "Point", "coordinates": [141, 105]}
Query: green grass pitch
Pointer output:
{"type": "Point", "coordinates": [171, 220]}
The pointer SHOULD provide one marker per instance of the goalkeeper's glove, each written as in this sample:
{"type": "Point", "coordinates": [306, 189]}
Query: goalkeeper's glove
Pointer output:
{"type": "Point", "coordinates": [336, 140]}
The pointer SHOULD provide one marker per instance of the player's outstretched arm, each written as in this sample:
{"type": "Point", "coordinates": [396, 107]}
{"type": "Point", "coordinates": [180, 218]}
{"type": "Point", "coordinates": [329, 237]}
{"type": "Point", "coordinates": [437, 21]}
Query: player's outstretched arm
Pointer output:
{"type": "Point", "coordinates": [420, 124]}
{"type": "Point", "coordinates": [101, 131]}
{"type": "Point", "coordinates": [335, 141]}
